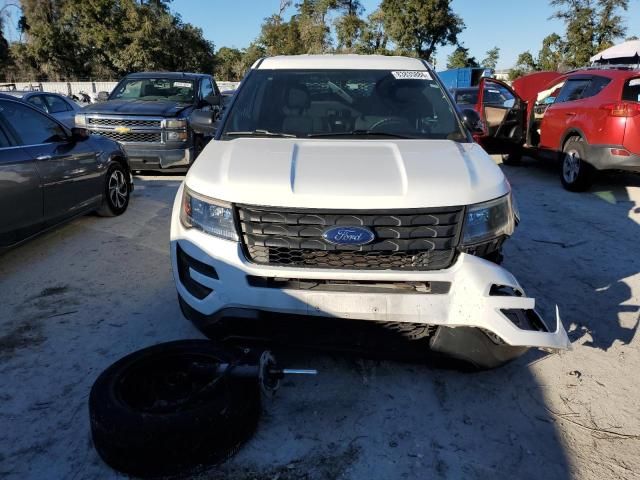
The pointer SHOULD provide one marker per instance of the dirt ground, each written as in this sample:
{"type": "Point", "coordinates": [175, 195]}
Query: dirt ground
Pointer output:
{"type": "Point", "coordinates": [80, 297]}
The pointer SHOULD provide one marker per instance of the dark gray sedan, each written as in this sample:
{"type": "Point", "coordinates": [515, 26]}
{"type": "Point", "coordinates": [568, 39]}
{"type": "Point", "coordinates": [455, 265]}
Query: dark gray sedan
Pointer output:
{"type": "Point", "coordinates": [50, 173]}
{"type": "Point", "coordinates": [58, 106]}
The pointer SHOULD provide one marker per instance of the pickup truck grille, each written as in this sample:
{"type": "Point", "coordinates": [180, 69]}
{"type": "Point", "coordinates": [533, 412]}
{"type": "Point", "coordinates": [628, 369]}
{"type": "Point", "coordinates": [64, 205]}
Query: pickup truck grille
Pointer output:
{"type": "Point", "coordinates": [118, 122]}
{"type": "Point", "coordinates": [421, 239]}
{"type": "Point", "coordinates": [133, 137]}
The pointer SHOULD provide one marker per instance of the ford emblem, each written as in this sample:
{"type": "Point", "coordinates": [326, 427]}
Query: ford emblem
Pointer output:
{"type": "Point", "coordinates": [348, 235]}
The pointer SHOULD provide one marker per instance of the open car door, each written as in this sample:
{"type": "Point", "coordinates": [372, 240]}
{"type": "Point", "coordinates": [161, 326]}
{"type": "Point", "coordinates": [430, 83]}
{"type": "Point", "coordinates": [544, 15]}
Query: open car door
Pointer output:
{"type": "Point", "coordinates": [504, 116]}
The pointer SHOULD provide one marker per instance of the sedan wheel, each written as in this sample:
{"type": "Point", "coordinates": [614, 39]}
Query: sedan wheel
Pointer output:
{"type": "Point", "coordinates": [116, 193]}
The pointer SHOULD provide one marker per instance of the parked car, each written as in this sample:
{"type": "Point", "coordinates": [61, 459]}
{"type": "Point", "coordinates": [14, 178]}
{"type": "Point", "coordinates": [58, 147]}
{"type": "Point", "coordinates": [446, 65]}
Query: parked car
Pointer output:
{"type": "Point", "coordinates": [346, 186]}
{"type": "Point", "coordinates": [589, 119]}
{"type": "Point", "coordinates": [495, 95]}
{"type": "Point", "coordinates": [58, 106]}
{"type": "Point", "coordinates": [50, 173]}
{"type": "Point", "coordinates": [149, 114]}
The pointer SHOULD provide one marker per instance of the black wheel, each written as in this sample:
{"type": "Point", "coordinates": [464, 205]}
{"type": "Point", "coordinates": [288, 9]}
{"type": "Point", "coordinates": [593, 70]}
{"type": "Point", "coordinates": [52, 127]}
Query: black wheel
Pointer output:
{"type": "Point", "coordinates": [151, 415]}
{"type": "Point", "coordinates": [116, 191]}
{"type": "Point", "coordinates": [576, 174]}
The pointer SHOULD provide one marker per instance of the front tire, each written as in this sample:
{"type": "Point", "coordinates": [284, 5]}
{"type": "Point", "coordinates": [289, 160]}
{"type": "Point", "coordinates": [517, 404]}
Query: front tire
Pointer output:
{"type": "Point", "coordinates": [162, 410]}
{"type": "Point", "coordinates": [117, 191]}
{"type": "Point", "coordinates": [576, 174]}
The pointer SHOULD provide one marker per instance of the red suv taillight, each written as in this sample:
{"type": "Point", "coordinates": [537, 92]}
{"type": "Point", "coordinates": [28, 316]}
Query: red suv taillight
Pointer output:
{"type": "Point", "coordinates": [622, 109]}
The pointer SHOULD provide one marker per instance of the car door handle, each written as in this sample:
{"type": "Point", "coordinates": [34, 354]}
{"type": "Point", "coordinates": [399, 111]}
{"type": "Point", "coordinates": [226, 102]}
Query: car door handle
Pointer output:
{"type": "Point", "coordinates": [571, 114]}
{"type": "Point", "coordinates": [44, 157]}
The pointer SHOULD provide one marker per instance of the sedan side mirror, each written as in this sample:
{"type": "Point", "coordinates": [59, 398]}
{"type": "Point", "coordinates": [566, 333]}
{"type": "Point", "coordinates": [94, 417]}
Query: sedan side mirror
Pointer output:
{"type": "Point", "coordinates": [203, 122]}
{"type": "Point", "coordinates": [103, 96]}
{"type": "Point", "coordinates": [472, 120]}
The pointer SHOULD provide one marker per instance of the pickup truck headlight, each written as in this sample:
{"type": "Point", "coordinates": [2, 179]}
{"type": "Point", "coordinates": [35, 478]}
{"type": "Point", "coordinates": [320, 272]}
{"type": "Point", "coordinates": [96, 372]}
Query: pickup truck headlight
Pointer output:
{"type": "Point", "coordinates": [175, 123]}
{"type": "Point", "coordinates": [81, 120]}
{"type": "Point", "coordinates": [211, 216]}
{"type": "Point", "coordinates": [489, 220]}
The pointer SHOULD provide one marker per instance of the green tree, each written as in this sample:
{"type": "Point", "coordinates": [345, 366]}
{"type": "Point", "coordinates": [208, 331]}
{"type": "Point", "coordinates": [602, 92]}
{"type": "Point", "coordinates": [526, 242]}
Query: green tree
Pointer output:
{"type": "Point", "coordinates": [420, 26]}
{"type": "Point", "coordinates": [524, 64]}
{"type": "Point", "coordinates": [460, 59]}
{"type": "Point", "coordinates": [228, 64]}
{"type": "Point", "coordinates": [552, 54]}
{"type": "Point", "coordinates": [66, 39]}
{"type": "Point", "coordinates": [373, 38]}
{"type": "Point", "coordinates": [591, 26]}
{"type": "Point", "coordinates": [491, 60]}
{"type": "Point", "coordinates": [278, 37]}
{"type": "Point", "coordinates": [349, 25]}
{"type": "Point", "coordinates": [312, 25]}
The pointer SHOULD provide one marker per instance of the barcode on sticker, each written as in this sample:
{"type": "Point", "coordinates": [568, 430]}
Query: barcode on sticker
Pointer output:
{"type": "Point", "coordinates": [411, 75]}
{"type": "Point", "coordinates": [182, 84]}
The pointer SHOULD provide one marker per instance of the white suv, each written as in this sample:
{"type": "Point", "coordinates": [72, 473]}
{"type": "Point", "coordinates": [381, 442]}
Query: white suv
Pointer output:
{"type": "Point", "coordinates": [347, 186]}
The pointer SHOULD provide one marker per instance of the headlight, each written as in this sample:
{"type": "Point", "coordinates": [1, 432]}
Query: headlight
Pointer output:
{"type": "Point", "coordinates": [489, 220]}
{"type": "Point", "coordinates": [176, 136]}
{"type": "Point", "coordinates": [211, 216]}
{"type": "Point", "coordinates": [175, 123]}
{"type": "Point", "coordinates": [81, 120]}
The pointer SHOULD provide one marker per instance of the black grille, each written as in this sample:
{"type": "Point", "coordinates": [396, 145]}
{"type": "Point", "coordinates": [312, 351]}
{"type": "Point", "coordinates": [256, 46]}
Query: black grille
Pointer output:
{"type": "Point", "coordinates": [134, 137]}
{"type": "Point", "coordinates": [404, 240]}
{"type": "Point", "coordinates": [115, 122]}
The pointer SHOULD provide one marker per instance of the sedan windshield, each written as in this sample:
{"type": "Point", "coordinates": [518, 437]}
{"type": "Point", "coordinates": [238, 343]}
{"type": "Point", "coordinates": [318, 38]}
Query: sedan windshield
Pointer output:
{"type": "Point", "coordinates": [153, 89]}
{"type": "Point", "coordinates": [342, 103]}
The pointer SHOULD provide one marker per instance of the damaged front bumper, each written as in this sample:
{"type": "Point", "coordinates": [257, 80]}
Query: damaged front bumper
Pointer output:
{"type": "Point", "coordinates": [213, 276]}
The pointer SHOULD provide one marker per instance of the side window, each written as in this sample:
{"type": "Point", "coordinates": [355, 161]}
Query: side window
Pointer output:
{"type": "Point", "coordinates": [31, 127]}
{"type": "Point", "coordinates": [596, 86]}
{"type": "Point", "coordinates": [56, 104]}
{"type": "Point", "coordinates": [38, 102]}
{"type": "Point", "coordinates": [4, 140]}
{"type": "Point", "coordinates": [631, 90]}
{"type": "Point", "coordinates": [573, 90]}
{"type": "Point", "coordinates": [206, 88]}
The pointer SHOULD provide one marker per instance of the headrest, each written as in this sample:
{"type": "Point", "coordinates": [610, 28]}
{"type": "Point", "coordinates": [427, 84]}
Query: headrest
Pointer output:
{"type": "Point", "coordinates": [298, 97]}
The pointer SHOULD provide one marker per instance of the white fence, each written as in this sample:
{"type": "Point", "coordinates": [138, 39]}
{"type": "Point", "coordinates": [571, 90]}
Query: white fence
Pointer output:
{"type": "Point", "coordinates": [91, 88]}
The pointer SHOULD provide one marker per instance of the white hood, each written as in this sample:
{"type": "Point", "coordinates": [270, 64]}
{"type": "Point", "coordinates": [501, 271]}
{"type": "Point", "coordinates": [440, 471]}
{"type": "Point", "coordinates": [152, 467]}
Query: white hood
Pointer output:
{"type": "Point", "coordinates": [346, 174]}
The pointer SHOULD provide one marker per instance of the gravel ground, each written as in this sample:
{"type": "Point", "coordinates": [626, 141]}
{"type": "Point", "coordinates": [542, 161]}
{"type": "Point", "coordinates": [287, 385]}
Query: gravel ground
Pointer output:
{"type": "Point", "coordinates": [80, 297]}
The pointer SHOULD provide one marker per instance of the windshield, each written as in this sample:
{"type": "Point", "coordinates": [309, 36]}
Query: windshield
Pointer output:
{"type": "Point", "coordinates": [325, 103]}
{"type": "Point", "coordinates": [174, 90]}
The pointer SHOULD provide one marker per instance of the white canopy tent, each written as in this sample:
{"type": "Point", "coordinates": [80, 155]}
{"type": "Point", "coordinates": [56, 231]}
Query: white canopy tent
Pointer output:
{"type": "Point", "coordinates": [627, 50]}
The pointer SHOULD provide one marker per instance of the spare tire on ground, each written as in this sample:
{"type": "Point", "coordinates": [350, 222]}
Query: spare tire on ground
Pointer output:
{"type": "Point", "coordinates": [164, 409]}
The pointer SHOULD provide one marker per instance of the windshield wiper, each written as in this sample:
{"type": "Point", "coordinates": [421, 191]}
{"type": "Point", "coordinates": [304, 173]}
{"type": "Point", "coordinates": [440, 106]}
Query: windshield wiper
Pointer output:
{"type": "Point", "coordinates": [358, 133]}
{"type": "Point", "coordinates": [259, 133]}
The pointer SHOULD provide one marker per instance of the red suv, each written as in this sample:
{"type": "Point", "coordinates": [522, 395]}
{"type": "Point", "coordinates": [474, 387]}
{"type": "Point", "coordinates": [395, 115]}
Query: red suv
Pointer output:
{"type": "Point", "coordinates": [590, 119]}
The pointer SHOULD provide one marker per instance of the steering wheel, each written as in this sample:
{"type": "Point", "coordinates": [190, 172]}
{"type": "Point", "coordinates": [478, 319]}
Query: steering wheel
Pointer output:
{"type": "Point", "coordinates": [384, 121]}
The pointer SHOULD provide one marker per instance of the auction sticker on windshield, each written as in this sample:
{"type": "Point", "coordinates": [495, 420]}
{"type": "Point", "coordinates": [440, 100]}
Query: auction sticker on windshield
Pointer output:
{"type": "Point", "coordinates": [411, 75]}
{"type": "Point", "coordinates": [182, 84]}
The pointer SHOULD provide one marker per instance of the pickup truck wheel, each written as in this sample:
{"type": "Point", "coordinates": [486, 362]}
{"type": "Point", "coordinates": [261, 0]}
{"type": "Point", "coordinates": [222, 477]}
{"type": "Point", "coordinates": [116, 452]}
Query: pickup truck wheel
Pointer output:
{"type": "Point", "coordinates": [151, 414]}
{"type": "Point", "coordinates": [116, 191]}
{"type": "Point", "coordinates": [576, 175]}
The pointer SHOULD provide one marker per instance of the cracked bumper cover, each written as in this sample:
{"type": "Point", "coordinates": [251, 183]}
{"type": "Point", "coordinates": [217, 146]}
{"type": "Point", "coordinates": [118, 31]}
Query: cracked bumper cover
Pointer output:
{"type": "Point", "coordinates": [468, 302]}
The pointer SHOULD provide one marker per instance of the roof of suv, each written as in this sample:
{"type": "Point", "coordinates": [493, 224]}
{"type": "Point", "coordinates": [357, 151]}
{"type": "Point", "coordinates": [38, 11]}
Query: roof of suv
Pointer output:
{"type": "Point", "coordinates": [340, 62]}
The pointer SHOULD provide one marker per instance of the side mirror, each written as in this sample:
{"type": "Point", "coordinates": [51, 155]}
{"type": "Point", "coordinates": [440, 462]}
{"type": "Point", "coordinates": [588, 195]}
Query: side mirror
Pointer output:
{"type": "Point", "coordinates": [79, 134]}
{"type": "Point", "coordinates": [213, 100]}
{"type": "Point", "coordinates": [203, 122]}
{"type": "Point", "coordinates": [472, 120]}
{"type": "Point", "coordinates": [103, 96]}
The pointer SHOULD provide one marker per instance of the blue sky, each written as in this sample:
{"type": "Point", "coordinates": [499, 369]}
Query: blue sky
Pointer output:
{"type": "Point", "coordinates": [514, 26]}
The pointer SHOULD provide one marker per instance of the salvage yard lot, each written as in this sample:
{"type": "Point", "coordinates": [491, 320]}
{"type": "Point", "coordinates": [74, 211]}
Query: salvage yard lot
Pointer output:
{"type": "Point", "coordinates": [80, 297]}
